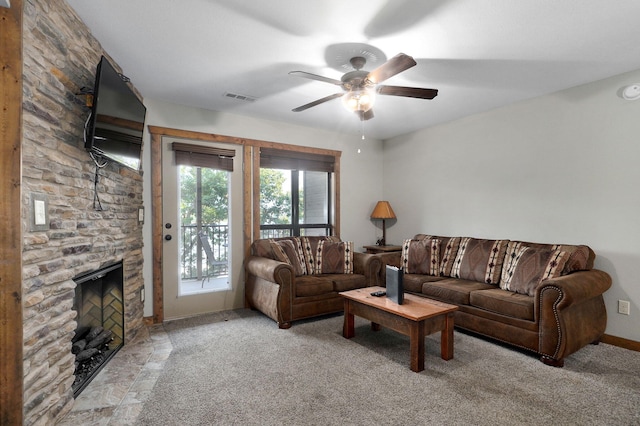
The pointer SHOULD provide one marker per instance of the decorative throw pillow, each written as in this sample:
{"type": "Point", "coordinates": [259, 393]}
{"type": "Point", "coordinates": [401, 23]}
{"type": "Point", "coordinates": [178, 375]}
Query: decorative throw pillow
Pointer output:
{"type": "Point", "coordinates": [334, 257]}
{"type": "Point", "coordinates": [479, 260]}
{"type": "Point", "coordinates": [421, 256]}
{"type": "Point", "coordinates": [290, 251]}
{"type": "Point", "coordinates": [263, 248]}
{"type": "Point", "coordinates": [300, 253]}
{"type": "Point", "coordinates": [527, 267]}
{"type": "Point", "coordinates": [580, 256]}
{"type": "Point", "coordinates": [448, 249]}
{"type": "Point", "coordinates": [277, 252]}
{"type": "Point", "coordinates": [308, 250]}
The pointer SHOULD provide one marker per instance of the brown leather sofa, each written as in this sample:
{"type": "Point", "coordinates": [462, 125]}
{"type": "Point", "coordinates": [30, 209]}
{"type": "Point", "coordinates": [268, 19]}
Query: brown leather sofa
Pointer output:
{"type": "Point", "coordinates": [292, 278]}
{"type": "Point", "coordinates": [543, 298]}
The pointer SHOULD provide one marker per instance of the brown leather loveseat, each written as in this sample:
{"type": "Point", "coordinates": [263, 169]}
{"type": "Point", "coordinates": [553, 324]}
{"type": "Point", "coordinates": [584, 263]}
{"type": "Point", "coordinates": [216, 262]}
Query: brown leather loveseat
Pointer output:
{"type": "Point", "coordinates": [545, 298]}
{"type": "Point", "coordinates": [292, 278]}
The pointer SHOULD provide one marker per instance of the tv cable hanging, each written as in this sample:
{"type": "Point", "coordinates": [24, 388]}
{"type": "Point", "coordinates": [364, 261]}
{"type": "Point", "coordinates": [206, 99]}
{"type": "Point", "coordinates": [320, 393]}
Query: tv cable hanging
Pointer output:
{"type": "Point", "coordinates": [97, 205]}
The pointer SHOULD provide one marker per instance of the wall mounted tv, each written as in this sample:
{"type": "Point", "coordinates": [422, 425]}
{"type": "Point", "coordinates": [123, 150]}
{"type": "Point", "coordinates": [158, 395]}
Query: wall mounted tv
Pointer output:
{"type": "Point", "coordinates": [114, 128]}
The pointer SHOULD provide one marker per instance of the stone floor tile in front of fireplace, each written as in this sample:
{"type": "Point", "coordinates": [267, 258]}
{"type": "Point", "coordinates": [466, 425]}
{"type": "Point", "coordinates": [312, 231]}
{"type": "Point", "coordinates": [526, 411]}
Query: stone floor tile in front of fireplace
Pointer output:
{"type": "Point", "coordinates": [117, 393]}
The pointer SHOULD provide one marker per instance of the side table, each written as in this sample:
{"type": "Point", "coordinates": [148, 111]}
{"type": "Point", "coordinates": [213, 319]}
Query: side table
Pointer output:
{"type": "Point", "coordinates": [382, 249]}
{"type": "Point", "coordinates": [389, 255]}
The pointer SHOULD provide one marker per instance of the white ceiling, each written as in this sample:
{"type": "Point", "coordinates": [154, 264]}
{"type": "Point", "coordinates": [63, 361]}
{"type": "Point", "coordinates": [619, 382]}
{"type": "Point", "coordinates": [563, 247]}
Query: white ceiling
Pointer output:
{"type": "Point", "coordinates": [479, 54]}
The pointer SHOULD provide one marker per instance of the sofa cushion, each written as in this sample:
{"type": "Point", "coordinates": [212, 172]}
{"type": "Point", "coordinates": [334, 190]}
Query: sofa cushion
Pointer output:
{"type": "Point", "coordinates": [334, 257]}
{"type": "Point", "coordinates": [413, 282]}
{"type": "Point", "coordinates": [448, 250]}
{"type": "Point", "coordinates": [503, 302]}
{"type": "Point", "coordinates": [479, 260]}
{"type": "Point", "coordinates": [345, 282]}
{"type": "Point", "coordinates": [310, 285]}
{"type": "Point", "coordinates": [421, 256]}
{"type": "Point", "coordinates": [453, 290]}
{"type": "Point", "coordinates": [581, 257]}
{"type": "Point", "coordinates": [290, 251]}
{"type": "Point", "coordinates": [527, 267]}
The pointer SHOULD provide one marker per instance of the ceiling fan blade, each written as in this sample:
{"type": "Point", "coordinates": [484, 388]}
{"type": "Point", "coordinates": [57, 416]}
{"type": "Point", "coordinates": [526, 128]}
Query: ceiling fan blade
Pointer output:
{"type": "Point", "coordinates": [393, 66]}
{"type": "Point", "coordinates": [409, 92]}
{"type": "Point", "coordinates": [365, 115]}
{"type": "Point", "coordinates": [316, 77]}
{"type": "Point", "coordinates": [317, 102]}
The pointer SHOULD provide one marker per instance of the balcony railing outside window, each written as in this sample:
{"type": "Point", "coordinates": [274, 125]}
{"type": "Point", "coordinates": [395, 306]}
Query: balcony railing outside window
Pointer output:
{"type": "Point", "coordinates": [193, 260]}
{"type": "Point", "coordinates": [277, 231]}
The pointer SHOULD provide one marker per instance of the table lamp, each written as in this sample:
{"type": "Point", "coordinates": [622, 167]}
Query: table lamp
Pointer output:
{"type": "Point", "coordinates": [383, 211]}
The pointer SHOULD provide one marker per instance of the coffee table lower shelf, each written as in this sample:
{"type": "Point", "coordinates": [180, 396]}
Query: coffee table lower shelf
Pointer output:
{"type": "Point", "coordinates": [417, 317]}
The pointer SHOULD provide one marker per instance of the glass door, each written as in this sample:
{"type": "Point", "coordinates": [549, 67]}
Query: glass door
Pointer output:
{"type": "Point", "coordinates": [202, 247]}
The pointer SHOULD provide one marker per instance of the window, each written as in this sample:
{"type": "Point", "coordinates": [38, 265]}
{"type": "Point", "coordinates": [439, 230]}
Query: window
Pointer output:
{"type": "Point", "coordinates": [295, 193]}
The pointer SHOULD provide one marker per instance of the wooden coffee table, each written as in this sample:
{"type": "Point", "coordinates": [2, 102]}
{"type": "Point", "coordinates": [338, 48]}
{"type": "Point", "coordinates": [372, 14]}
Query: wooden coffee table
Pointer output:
{"type": "Point", "coordinates": [417, 317]}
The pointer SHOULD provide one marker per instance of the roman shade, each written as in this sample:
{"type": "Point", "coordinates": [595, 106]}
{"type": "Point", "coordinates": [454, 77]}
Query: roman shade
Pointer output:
{"type": "Point", "coordinates": [271, 158]}
{"type": "Point", "coordinates": [203, 156]}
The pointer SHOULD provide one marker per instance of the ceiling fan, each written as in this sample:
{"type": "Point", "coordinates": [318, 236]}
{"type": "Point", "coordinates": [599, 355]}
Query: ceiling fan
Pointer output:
{"type": "Point", "coordinates": [359, 86]}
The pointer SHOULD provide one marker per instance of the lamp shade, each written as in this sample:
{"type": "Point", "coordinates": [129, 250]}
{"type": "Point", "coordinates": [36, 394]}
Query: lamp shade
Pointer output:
{"type": "Point", "coordinates": [383, 210]}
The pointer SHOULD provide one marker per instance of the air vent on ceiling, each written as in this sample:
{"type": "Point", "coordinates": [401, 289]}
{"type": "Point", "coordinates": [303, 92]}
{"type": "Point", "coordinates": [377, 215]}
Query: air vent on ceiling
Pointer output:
{"type": "Point", "coordinates": [239, 97]}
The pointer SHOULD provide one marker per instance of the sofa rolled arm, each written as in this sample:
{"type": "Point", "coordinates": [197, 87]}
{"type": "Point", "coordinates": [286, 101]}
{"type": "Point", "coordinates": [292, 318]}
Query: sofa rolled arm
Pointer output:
{"type": "Point", "coordinates": [571, 313]}
{"type": "Point", "coordinates": [578, 286]}
{"type": "Point", "coordinates": [268, 269]}
{"type": "Point", "coordinates": [368, 265]}
{"type": "Point", "coordinates": [269, 288]}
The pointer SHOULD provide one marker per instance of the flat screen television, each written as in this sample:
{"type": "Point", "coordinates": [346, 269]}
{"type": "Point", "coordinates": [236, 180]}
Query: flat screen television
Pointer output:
{"type": "Point", "coordinates": [114, 128]}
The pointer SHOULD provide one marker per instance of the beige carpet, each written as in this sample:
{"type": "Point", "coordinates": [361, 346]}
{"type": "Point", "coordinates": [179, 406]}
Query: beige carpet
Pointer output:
{"type": "Point", "coordinates": [238, 368]}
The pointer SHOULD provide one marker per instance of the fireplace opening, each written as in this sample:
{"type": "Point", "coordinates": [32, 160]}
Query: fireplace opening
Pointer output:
{"type": "Point", "coordinates": [99, 334]}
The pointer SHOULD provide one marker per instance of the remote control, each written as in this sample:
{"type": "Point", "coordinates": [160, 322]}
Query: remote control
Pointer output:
{"type": "Point", "coordinates": [379, 293]}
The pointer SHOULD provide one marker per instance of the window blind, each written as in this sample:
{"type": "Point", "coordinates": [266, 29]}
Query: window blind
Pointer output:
{"type": "Point", "coordinates": [203, 156]}
{"type": "Point", "coordinates": [271, 158]}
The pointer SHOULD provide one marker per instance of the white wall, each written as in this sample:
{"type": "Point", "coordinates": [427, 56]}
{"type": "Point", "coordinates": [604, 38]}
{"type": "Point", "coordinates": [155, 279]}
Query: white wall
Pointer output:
{"type": "Point", "coordinates": [561, 168]}
{"type": "Point", "coordinates": [360, 182]}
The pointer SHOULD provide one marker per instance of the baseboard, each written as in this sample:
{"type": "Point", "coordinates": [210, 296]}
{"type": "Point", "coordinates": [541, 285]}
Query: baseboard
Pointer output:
{"type": "Point", "coordinates": [611, 340]}
{"type": "Point", "coordinates": [621, 342]}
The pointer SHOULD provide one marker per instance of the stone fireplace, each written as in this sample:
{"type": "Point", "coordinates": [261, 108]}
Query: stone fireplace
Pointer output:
{"type": "Point", "coordinates": [99, 334]}
{"type": "Point", "coordinates": [59, 58]}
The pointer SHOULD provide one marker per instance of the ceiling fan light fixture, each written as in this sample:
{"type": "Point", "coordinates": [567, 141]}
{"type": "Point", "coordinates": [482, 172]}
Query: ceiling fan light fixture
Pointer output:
{"type": "Point", "coordinates": [361, 87]}
{"type": "Point", "coordinates": [359, 100]}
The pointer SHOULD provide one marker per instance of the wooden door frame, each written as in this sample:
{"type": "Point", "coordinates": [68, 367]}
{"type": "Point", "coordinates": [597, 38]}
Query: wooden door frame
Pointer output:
{"type": "Point", "coordinates": [250, 191]}
{"type": "Point", "coordinates": [11, 320]}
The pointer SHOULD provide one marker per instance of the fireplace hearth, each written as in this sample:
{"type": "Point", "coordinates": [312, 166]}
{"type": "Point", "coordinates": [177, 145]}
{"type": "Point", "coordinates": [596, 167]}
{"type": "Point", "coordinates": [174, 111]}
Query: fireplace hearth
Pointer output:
{"type": "Point", "coordinates": [99, 334]}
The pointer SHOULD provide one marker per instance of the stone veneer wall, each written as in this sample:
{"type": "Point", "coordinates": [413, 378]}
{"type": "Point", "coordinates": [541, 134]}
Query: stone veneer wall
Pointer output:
{"type": "Point", "coordinates": [60, 57]}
